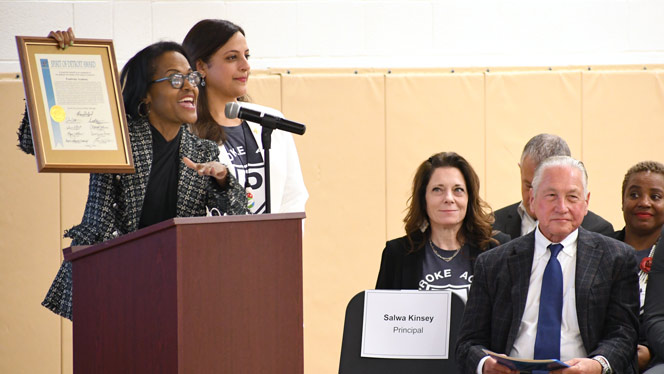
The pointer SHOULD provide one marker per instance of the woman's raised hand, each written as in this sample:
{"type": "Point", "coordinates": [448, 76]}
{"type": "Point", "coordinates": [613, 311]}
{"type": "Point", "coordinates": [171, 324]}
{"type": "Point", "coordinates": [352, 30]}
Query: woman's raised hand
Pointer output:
{"type": "Point", "coordinates": [64, 38]}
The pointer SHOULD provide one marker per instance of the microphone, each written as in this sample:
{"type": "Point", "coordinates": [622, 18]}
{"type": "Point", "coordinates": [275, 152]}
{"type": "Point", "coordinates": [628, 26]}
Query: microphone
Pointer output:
{"type": "Point", "coordinates": [235, 110]}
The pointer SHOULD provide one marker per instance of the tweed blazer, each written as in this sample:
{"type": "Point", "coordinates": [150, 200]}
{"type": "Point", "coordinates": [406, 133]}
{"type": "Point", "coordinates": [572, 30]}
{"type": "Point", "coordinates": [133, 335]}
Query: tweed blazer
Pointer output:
{"type": "Point", "coordinates": [115, 201]}
{"type": "Point", "coordinates": [508, 221]}
{"type": "Point", "coordinates": [607, 300]}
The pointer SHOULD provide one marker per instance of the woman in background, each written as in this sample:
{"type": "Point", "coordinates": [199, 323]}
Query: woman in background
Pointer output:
{"type": "Point", "coordinates": [643, 211]}
{"type": "Point", "coordinates": [177, 174]}
{"type": "Point", "coordinates": [218, 50]}
{"type": "Point", "coordinates": [447, 226]}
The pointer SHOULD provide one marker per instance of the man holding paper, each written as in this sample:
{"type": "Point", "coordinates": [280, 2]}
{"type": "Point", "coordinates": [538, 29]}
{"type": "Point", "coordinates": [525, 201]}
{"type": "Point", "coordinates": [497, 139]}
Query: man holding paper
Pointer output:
{"type": "Point", "coordinates": [559, 292]}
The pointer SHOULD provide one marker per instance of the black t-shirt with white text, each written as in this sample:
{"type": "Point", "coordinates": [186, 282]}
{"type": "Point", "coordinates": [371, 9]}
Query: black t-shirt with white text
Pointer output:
{"type": "Point", "coordinates": [246, 157]}
{"type": "Point", "coordinates": [438, 274]}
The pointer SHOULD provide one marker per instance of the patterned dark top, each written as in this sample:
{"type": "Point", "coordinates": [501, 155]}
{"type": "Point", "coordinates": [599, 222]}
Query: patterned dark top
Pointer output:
{"type": "Point", "coordinates": [115, 201]}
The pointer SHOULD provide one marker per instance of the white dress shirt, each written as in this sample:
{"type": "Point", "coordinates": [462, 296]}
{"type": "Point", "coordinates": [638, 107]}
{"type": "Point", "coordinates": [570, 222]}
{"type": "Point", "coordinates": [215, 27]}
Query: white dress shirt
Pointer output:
{"type": "Point", "coordinates": [571, 344]}
{"type": "Point", "coordinates": [528, 223]}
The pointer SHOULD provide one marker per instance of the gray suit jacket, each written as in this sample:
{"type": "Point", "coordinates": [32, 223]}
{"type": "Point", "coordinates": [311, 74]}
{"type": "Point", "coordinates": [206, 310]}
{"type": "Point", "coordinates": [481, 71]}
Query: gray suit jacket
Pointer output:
{"type": "Point", "coordinates": [508, 221]}
{"type": "Point", "coordinates": [607, 300]}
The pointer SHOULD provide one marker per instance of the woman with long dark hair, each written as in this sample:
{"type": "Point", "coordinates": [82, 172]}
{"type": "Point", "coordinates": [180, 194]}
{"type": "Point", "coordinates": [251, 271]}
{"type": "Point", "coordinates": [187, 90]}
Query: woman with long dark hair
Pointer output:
{"type": "Point", "coordinates": [447, 226]}
{"type": "Point", "coordinates": [218, 50]}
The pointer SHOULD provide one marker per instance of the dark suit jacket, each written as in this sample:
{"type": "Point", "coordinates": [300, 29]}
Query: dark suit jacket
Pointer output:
{"type": "Point", "coordinates": [653, 317]}
{"type": "Point", "coordinates": [607, 300]}
{"type": "Point", "coordinates": [401, 270]}
{"type": "Point", "coordinates": [508, 221]}
{"type": "Point", "coordinates": [620, 235]}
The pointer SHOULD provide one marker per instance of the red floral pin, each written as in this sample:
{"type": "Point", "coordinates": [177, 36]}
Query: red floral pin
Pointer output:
{"type": "Point", "coordinates": [645, 264]}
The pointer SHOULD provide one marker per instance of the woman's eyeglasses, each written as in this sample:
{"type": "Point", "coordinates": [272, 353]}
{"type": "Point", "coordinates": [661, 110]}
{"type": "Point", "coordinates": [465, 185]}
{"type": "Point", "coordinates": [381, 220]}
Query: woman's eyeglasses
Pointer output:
{"type": "Point", "coordinates": [177, 79]}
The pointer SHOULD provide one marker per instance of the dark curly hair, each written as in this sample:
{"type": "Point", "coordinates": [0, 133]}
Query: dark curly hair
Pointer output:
{"type": "Point", "coordinates": [643, 166]}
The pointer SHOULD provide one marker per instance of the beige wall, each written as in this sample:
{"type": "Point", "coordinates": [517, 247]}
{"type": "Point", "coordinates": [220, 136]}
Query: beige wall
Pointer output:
{"type": "Point", "coordinates": [366, 134]}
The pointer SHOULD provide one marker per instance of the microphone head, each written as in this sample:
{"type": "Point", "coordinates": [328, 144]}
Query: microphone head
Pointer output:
{"type": "Point", "coordinates": [232, 110]}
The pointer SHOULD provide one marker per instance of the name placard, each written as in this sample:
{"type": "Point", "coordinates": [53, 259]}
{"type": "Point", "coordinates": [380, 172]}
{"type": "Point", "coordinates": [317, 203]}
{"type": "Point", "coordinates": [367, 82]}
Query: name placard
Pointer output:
{"type": "Point", "coordinates": [407, 324]}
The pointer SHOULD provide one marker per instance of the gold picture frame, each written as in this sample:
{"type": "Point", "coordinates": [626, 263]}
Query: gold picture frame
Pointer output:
{"type": "Point", "coordinates": [75, 106]}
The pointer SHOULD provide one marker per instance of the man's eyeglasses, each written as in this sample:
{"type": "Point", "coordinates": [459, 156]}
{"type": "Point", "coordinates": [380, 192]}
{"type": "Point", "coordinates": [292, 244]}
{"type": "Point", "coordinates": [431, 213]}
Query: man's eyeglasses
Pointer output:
{"type": "Point", "coordinates": [177, 79]}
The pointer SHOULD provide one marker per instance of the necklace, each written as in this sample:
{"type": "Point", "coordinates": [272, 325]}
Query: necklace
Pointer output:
{"type": "Point", "coordinates": [435, 249]}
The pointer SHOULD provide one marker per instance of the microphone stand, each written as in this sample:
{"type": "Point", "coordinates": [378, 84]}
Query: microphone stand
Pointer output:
{"type": "Point", "coordinates": [269, 124]}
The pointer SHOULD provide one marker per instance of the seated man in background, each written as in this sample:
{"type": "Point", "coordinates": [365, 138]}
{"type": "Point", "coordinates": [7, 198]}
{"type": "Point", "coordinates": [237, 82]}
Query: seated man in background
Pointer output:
{"type": "Point", "coordinates": [519, 219]}
{"type": "Point", "coordinates": [559, 292]}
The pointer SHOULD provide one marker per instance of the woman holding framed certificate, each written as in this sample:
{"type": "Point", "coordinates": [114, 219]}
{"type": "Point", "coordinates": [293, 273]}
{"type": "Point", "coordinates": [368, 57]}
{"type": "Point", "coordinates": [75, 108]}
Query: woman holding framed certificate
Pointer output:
{"type": "Point", "coordinates": [218, 50]}
{"type": "Point", "coordinates": [177, 174]}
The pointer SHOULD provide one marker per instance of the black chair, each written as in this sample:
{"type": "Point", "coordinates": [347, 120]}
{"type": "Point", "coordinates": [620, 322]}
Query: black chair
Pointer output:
{"type": "Point", "coordinates": [352, 363]}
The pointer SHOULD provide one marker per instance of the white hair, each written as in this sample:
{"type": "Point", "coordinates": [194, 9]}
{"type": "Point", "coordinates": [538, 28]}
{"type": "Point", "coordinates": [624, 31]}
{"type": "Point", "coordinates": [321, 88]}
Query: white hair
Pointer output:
{"type": "Point", "coordinates": [560, 161]}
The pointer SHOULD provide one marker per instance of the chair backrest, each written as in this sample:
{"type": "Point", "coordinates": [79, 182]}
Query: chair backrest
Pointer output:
{"type": "Point", "coordinates": [352, 363]}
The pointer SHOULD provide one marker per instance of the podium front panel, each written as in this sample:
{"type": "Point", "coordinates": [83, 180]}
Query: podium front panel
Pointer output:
{"type": "Point", "coordinates": [254, 320]}
{"type": "Point", "coordinates": [192, 295]}
{"type": "Point", "coordinates": [125, 312]}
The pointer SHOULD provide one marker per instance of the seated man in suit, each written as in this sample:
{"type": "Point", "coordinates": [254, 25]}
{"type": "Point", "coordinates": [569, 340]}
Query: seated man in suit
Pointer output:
{"type": "Point", "coordinates": [518, 219]}
{"type": "Point", "coordinates": [559, 292]}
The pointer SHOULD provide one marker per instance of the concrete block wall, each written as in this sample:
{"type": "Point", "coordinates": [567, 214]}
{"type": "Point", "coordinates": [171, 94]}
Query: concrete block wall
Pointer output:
{"type": "Point", "coordinates": [331, 34]}
{"type": "Point", "coordinates": [368, 33]}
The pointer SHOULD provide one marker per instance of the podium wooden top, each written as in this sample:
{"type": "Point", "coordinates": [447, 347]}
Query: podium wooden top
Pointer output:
{"type": "Point", "coordinates": [76, 252]}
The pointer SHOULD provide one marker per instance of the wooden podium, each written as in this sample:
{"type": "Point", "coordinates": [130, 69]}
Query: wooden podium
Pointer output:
{"type": "Point", "coordinates": [192, 295]}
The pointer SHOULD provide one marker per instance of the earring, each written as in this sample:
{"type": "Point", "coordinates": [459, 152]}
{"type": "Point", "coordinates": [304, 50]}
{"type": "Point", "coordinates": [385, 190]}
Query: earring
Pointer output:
{"type": "Point", "coordinates": [424, 225]}
{"type": "Point", "coordinates": [202, 81]}
{"type": "Point", "coordinates": [146, 109]}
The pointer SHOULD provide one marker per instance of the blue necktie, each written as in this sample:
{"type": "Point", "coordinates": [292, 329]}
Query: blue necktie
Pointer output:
{"type": "Point", "coordinates": [547, 341]}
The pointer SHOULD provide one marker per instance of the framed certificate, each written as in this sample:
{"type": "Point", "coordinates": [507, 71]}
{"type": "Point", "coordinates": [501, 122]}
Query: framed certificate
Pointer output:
{"type": "Point", "coordinates": [75, 106]}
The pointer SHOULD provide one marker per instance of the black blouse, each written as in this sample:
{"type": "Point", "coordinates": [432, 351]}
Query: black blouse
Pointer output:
{"type": "Point", "coordinates": [161, 195]}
